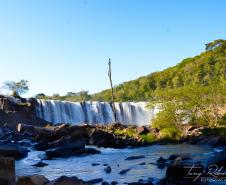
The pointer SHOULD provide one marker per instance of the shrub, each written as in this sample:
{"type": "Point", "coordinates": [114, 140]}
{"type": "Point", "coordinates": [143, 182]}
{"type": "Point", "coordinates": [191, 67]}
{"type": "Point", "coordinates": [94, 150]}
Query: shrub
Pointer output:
{"type": "Point", "coordinates": [125, 132]}
{"type": "Point", "coordinates": [149, 138]}
{"type": "Point", "coordinates": [171, 134]}
{"type": "Point", "coordinates": [222, 121]}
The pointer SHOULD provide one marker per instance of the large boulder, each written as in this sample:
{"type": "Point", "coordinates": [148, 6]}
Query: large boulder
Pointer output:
{"type": "Point", "coordinates": [7, 171]}
{"type": "Point", "coordinates": [68, 151]}
{"type": "Point", "coordinates": [102, 139]}
{"type": "Point", "coordinates": [63, 180]}
{"type": "Point", "coordinates": [12, 150]}
{"type": "Point", "coordinates": [180, 172]}
{"type": "Point", "coordinates": [32, 180]}
{"type": "Point", "coordinates": [7, 104]}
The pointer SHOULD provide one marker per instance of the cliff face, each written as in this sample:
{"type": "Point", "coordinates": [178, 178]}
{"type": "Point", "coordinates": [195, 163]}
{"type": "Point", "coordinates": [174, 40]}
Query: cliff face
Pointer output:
{"type": "Point", "coordinates": [14, 111]}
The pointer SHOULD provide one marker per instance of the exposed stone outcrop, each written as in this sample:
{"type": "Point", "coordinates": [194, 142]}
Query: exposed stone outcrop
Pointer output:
{"type": "Point", "coordinates": [32, 180]}
{"type": "Point", "coordinates": [63, 180]}
{"type": "Point", "coordinates": [12, 150]}
{"type": "Point", "coordinates": [7, 171]}
{"type": "Point", "coordinates": [14, 111]}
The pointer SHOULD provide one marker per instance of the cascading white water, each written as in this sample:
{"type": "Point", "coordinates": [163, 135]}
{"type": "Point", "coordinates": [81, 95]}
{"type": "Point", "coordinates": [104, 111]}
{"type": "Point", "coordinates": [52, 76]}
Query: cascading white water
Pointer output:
{"type": "Point", "coordinates": [94, 112]}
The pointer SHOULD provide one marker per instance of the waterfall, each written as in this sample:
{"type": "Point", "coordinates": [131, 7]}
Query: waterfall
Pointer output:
{"type": "Point", "coordinates": [94, 112]}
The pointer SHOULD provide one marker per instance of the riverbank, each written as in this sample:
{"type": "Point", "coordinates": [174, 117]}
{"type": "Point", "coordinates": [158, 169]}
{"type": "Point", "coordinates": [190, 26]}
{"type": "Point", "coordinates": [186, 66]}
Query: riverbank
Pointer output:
{"type": "Point", "coordinates": [57, 150]}
{"type": "Point", "coordinates": [47, 148]}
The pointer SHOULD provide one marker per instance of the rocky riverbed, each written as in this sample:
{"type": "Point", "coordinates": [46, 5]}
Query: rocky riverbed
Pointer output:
{"type": "Point", "coordinates": [97, 156]}
{"type": "Point", "coordinates": [110, 154]}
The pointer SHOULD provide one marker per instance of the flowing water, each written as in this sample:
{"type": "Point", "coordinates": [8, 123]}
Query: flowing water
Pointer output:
{"type": "Point", "coordinates": [82, 166]}
{"type": "Point", "coordinates": [94, 112]}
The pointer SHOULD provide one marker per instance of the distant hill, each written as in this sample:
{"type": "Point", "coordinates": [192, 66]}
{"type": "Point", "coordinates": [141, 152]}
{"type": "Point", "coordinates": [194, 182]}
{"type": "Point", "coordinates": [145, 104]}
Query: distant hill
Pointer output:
{"type": "Point", "coordinates": [203, 69]}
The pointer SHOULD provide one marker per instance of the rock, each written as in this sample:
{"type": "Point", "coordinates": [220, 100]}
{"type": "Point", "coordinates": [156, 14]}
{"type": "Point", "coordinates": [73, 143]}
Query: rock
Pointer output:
{"type": "Point", "coordinates": [105, 183]}
{"type": "Point", "coordinates": [122, 172]}
{"type": "Point", "coordinates": [94, 181]}
{"type": "Point", "coordinates": [135, 157]}
{"type": "Point", "coordinates": [181, 173]}
{"type": "Point", "coordinates": [107, 169]}
{"type": "Point", "coordinates": [117, 125]}
{"type": "Point", "coordinates": [63, 180]}
{"type": "Point", "coordinates": [114, 183]}
{"type": "Point", "coordinates": [95, 164]}
{"type": "Point", "coordinates": [67, 152]}
{"type": "Point", "coordinates": [12, 150]}
{"type": "Point", "coordinates": [7, 104]}
{"type": "Point", "coordinates": [7, 171]}
{"type": "Point", "coordinates": [32, 180]}
{"type": "Point", "coordinates": [140, 183]}
{"type": "Point", "coordinates": [17, 110]}
{"type": "Point", "coordinates": [183, 156]}
{"type": "Point", "coordinates": [210, 141]}
{"type": "Point", "coordinates": [141, 164]}
{"type": "Point", "coordinates": [40, 164]}
{"type": "Point", "coordinates": [102, 139]}
{"type": "Point", "coordinates": [161, 162]}
{"type": "Point", "coordinates": [148, 181]}
{"type": "Point", "coordinates": [142, 130]}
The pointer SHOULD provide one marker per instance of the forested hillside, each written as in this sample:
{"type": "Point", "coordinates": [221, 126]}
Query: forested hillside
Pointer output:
{"type": "Point", "coordinates": [203, 69]}
{"type": "Point", "coordinates": [207, 68]}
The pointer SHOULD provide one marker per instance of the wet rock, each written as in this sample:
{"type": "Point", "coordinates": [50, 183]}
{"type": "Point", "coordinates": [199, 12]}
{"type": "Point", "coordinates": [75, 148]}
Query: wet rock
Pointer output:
{"type": "Point", "coordinates": [105, 183]}
{"type": "Point", "coordinates": [178, 172]}
{"type": "Point", "coordinates": [40, 164]}
{"type": "Point", "coordinates": [122, 172]}
{"type": "Point", "coordinates": [135, 157]}
{"type": "Point", "coordinates": [67, 152]}
{"type": "Point", "coordinates": [12, 150]}
{"type": "Point", "coordinates": [107, 169]}
{"type": "Point", "coordinates": [161, 162]}
{"type": "Point", "coordinates": [141, 164]}
{"type": "Point", "coordinates": [95, 164]}
{"type": "Point", "coordinates": [7, 171]}
{"type": "Point", "coordinates": [183, 156]}
{"type": "Point", "coordinates": [63, 180]}
{"type": "Point", "coordinates": [114, 183]}
{"type": "Point", "coordinates": [25, 142]}
{"type": "Point", "coordinates": [32, 180]}
{"type": "Point", "coordinates": [95, 181]}
{"type": "Point", "coordinates": [140, 183]}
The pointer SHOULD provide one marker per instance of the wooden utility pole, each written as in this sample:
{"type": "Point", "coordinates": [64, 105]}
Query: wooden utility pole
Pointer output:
{"type": "Point", "coordinates": [112, 91]}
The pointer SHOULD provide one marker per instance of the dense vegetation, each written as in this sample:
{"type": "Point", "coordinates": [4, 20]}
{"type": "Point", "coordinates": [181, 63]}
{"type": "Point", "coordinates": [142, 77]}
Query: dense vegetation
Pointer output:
{"type": "Point", "coordinates": [203, 70]}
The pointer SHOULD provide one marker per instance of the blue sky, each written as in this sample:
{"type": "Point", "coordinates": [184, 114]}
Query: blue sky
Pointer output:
{"type": "Point", "coordinates": [64, 45]}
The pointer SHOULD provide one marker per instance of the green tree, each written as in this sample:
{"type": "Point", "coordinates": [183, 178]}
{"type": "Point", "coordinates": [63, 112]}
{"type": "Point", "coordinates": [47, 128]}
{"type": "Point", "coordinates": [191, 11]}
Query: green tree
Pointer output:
{"type": "Point", "coordinates": [16, 88]}
{"type": "Point", "coordinates": [196, 104]}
